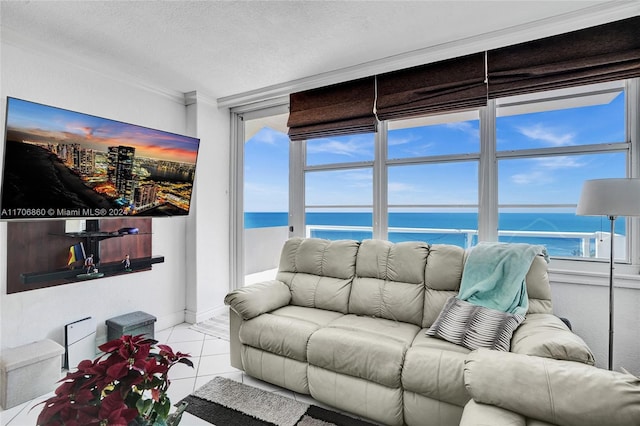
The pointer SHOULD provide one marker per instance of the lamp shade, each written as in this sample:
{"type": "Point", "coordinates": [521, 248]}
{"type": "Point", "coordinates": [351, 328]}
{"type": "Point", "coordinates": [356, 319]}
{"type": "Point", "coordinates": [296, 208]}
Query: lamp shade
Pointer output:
{"type": "Point", "coordinates": [610, 197]}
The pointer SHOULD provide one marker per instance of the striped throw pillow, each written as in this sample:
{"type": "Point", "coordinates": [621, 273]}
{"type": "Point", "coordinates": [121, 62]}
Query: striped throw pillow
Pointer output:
{"type": "Point", "coordinates": [475, 326]}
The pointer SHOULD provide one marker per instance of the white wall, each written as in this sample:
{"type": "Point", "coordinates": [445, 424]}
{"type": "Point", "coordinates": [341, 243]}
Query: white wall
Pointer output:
{"type": "Point", "coordinates": [38, 314]}
{"type": "Point", "coordinates": [208, 236]}
{"type": "Point", "coordinates": [262, 248]}
{"type": "Point", "coordinates": [584, 300]}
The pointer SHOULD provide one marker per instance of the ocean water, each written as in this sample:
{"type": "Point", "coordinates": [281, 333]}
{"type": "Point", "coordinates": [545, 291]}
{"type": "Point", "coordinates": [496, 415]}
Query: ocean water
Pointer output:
{"type": "Point", "coordinates": [563, 245]}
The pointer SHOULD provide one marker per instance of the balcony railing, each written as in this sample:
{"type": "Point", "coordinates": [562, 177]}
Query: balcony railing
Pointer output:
{"type": "Point", "coordinates": [263, 245]}
{"type": "Point", "coordinates": [592, 244]}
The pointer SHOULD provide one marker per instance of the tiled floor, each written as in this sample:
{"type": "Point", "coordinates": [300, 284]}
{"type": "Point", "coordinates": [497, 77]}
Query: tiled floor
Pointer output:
{"type": "Point", "coordinates": [210, 357]}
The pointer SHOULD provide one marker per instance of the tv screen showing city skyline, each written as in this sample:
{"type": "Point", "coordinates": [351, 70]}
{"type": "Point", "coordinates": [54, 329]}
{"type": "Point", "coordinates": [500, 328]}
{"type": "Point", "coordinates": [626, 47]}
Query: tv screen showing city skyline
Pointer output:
{"type": "Point", "coordinates": [62, 164]}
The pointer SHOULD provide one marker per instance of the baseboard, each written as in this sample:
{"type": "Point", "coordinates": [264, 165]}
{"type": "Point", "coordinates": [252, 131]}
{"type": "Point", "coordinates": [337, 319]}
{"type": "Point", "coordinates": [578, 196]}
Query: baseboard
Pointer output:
{"type": "Point", "coordinates": [165, 321]}
{"type": "Point", "coordinates": [196, 317]}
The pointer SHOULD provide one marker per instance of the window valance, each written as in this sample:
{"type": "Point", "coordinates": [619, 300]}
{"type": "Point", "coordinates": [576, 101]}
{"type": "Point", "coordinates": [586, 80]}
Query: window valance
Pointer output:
{"type": "Point", "coordinates": [441, 86]}
{"type": "Point", "coordinates": [603, 53]}
{"type": "Point", "coordinates": [339, 109]}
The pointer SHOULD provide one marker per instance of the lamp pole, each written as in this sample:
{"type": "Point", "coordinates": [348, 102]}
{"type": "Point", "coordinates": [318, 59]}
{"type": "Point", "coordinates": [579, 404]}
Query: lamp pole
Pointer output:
{"type": "Point", "coordinates": [611, 268]}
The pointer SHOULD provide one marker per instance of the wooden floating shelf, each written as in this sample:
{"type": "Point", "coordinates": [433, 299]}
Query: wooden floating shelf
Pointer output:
{"type": "Point", "coordinates": [108, 269]}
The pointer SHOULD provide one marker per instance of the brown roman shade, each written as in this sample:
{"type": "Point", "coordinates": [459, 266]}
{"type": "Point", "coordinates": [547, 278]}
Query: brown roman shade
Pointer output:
{"type": "Point", "coordinates": [340, 109]}
{"type": "Point", "coordinates": [603, 53]}
{"type": "Point", "coordinates": [441, 86]}
{"type": "Point", "coordinates": [597, 54]}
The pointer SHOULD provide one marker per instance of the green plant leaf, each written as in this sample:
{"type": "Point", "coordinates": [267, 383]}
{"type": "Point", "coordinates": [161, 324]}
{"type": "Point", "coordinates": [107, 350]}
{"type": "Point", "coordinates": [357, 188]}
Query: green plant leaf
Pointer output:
{"type": "Point", "coordinates": [144, 405]}
{"type": "Point", "coordinates": [186, 361]}
{"type": "Point", "coordinates": [163, 408]}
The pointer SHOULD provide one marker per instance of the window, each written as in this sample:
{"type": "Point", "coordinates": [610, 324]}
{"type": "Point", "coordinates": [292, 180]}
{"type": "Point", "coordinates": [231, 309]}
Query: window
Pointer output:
{"type": "Point", "coordinates": [339, 187]}
{"type": "Point", "coordinates": [265, 193]}
{"type": "Point", "coordinates": [511, 171]}
{"type": "Point", "coordinates": [448, 134]}
{"type": "Point", "coordinates": [432, 184]}
{"type": "Point", "coordinates": [340, 149]}
{"type": "Point", "coordinates": [266, 182]}
{"type": "Point", "coordinates": [548, 144]}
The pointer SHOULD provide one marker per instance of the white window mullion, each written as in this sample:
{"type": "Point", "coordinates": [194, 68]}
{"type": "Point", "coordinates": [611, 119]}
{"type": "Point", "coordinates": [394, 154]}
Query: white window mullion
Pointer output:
{"type": "Point", "coordinates": [633, 135]}
{"type": "Point", "coordinates": [297, 161]}
{"type": "Point", "coordinates": [236, 202]}
{"type": "Point", "coordinates": [488, 175]}
{"type": "Point", "coordinates": [380, 187]}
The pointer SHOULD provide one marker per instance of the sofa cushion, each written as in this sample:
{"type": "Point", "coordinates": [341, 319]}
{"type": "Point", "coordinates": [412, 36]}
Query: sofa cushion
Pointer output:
{"type": "Point", "coordinates": [358, 396]}
{"type": "Point", "coordinates": [320, 317]}
{"type": "Point", "coordinates": [389, 280]}
{"type": "Point", "coordinates": [547, 336]}
{"type": "Point", "coordinates": [286, 331]}
{"type": "Point", "coordinates": [279, 370]}
{"type": "Point", "coordinates": [538, 288]}
{"type": "Point", "coordinates": [420, 410]}
{"type": "Point", "coordinates": [364, 347]}
{"type": "Point", "coordinates": [319, 272]}
{"type": "Point", "coordinates": [565, 393]}
{"type": "Point", "coordinates": [433, 368]}
{"type": "Point", "coordinates": [473, 326]}
{"type": "Point", "coordinates": [444, 272]}
{"type": "Point", "coordinates": [442, 276]}
{"type": "Point", "coordinates": [395, 330]}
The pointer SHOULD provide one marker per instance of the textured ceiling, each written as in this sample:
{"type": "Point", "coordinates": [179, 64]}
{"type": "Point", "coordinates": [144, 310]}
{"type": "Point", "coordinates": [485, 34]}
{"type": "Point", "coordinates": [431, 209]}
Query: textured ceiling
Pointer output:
{"type": "Point", "coordinates": [225, 48]}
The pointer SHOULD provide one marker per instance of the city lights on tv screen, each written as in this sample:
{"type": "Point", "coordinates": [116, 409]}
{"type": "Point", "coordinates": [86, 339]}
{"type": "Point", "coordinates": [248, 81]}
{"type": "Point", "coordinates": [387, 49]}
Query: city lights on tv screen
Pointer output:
{"type": "Point", "coordinates": [61, 164]}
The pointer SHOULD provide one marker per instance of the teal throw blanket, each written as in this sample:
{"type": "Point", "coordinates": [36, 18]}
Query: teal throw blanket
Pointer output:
{"type": "Point", "coordinates": [494, 276]}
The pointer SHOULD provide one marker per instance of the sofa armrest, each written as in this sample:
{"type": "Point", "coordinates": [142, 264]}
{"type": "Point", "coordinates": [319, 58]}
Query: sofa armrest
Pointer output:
{"type": "Point", "coordinates": [256, 299]}
{"type": "Point", "coordinates": [547, 336]}
{"type": "Point", "coordinates": [564, 393]}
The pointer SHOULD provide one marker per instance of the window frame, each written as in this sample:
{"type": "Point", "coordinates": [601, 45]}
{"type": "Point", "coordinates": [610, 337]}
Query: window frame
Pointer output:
{"type": "Point", "coordinates": [487, 158]}
{"type": "Point", "coordinates": [625, 147]}
{"type": "Point", "coordinates": [488, 184]}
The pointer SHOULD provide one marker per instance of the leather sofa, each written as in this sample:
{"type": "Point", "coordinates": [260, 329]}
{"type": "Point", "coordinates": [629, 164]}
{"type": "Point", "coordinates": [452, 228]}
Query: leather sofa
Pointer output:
{"type": "Point", "coordinates": [345, 322]}
{"type": "Point", "coordinates": [517, 390]}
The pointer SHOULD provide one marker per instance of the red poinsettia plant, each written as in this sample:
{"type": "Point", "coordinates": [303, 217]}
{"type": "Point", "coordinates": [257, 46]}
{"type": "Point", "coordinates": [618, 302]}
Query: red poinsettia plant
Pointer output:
{"type": "Point", "coordinates": [127, 385]}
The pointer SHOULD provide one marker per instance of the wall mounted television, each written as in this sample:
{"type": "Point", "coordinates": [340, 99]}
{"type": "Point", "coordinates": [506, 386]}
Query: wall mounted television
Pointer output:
{"type": "Point", "coordinates": [61, 164]}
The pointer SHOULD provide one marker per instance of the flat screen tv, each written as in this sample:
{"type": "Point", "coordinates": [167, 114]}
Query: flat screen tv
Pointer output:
{"type": "Point", "coordinates": [61, 164]}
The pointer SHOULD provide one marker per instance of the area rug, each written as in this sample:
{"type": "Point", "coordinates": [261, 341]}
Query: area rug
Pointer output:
{"type": "Point", "coordinates": [218, 326]}
{"type": "Point", "coordinates": [225, 402]}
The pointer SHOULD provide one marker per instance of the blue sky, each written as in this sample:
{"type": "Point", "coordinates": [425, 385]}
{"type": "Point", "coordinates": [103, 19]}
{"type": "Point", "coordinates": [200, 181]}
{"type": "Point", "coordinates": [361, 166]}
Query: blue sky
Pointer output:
{"type": "Point", "coordinates": [544, 180]}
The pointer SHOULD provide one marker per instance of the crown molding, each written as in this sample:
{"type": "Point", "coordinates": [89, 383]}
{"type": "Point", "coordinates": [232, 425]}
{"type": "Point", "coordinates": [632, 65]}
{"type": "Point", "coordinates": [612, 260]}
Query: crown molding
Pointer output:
{"type": "Point", "coordinates": [195, 97]}
{"type": "Point", "coordinates": [37, 47]}
{"type": "Point", "coordinates": [588, 17]}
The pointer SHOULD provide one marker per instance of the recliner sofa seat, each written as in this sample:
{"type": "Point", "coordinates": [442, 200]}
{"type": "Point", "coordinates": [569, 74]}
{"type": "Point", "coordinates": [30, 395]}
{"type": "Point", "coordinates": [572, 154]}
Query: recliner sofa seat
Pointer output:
{"type": "Point", "coordinates": [345, 322]}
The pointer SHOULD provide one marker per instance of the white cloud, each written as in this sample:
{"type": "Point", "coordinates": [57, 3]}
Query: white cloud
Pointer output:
{"type": "Point", "coordinates": [542, 170]}
{"type": "Point", "coordinates": [395, 140]}
{"type": "Point", "coordinates": [267, 136]}
{"type": "Point", "coordinates": [537, 176]}
{"type": "Point", "coordinates": [563, 162]}
{"type": "Point", "coordinates": [349, 148]}
{"type": "Point", "coordinates": [414, 150]}
{"type": "Point", "coordinates": [401, 187]}
{"type": "Point", "coordinates": [547, 135]}
{"type": "Point", "coordinates": [465, 127]}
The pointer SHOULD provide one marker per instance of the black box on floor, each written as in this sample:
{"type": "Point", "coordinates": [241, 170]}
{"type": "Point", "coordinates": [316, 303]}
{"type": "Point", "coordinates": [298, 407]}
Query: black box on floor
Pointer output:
{"type": "Point", "coordinates": [133, 323]}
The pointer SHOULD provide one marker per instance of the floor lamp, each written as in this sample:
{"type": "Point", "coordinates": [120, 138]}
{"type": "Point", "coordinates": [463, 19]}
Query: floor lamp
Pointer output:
{"type": "Point", "coordinates": [612, 198]}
